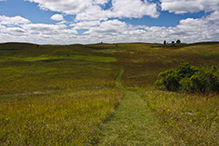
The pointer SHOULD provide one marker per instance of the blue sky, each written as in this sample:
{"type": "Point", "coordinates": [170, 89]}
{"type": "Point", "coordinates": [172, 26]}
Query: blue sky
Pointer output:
{"type": "Point", "coordinates": [110, 21]}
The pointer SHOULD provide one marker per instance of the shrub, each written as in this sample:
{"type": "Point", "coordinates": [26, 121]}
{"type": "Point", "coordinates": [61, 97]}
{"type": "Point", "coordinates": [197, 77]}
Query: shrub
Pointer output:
{"type": "Point", "coordinates": [170, 79]}
{"type": "Point", "coordinates": [178, 41]}
{"type": "Point", "coordinates": [166, 80]}
{"type": "Point", "coordinates": [190, 79]}
{"type": "Point", "coordinates": [164, 42]}
{"type": "Point", "coordinates": [205, 80]}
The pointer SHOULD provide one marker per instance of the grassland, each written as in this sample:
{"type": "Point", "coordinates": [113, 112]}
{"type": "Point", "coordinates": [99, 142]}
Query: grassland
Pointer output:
{"type": "Point", "coordinates": [54, 96]}
{"type": "Point", "coordinates": [190, 119]}
{"type": "Point", "coordinates": [61, 95]}
{"type": "Point", "coordinates": [133, 123]}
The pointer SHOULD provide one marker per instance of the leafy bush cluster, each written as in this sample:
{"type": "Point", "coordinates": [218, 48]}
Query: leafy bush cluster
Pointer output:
{"type": "Point", "coordinates": [190, 78]}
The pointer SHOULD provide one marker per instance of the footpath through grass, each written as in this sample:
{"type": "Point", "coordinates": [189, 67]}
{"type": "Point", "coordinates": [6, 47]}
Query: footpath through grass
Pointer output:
{"type": "Point", "coordinates": [133, 123]}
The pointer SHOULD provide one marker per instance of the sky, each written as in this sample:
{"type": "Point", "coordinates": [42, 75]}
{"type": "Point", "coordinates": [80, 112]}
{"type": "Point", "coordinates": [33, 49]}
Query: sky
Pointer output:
{"type": "Point", "coordinates": [109, 21]}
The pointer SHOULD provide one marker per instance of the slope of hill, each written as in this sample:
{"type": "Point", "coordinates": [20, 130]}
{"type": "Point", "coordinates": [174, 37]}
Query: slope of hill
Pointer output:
{"type": "Point", "coordinates": [56, 94]}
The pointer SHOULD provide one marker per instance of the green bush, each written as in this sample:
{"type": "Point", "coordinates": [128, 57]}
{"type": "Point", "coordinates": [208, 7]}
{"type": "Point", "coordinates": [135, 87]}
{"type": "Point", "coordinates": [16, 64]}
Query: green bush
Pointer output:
{"type": "Point", "coordinates": [170, 79]}
{"type": "Point", "coordinates": [190, 79]}
{"type": "Point", "coordinates": [205, 80]}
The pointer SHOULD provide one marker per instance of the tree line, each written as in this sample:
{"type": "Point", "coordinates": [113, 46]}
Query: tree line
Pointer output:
{"type": "Point", "coordinates": [173, 42]}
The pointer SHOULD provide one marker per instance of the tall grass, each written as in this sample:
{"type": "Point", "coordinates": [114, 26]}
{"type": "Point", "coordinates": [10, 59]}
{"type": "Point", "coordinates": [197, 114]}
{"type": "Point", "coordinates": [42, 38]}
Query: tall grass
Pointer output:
{"type": "Point", "coordinates": [192, 119]}
{"type": "Point", "coordinates": [58, 95]}
{"type": "Point", "coordinates": [55, 119]}
{"type": "Point", "coordinates": [45, 100]}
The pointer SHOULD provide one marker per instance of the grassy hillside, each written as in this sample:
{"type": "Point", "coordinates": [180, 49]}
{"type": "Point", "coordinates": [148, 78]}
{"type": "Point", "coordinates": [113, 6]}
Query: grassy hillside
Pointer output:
{"type": "Point", "coordinates": [53, 94]}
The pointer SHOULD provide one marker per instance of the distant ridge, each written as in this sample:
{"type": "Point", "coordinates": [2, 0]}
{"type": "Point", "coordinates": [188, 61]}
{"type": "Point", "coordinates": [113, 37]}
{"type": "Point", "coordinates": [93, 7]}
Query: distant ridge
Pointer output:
{"type": "Point", "coordinates": [26, 43]}
{"type": "Point", "coordinates": [16, 45]}
{"type": "Point", "coordinates": [19, 43]}
{"type": "Point", "coordinates": [205, 43]}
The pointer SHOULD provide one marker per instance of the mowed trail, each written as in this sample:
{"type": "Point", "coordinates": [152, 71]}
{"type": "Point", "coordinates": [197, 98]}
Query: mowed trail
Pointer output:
{"type": "Point", "coordinates": [133, 123]}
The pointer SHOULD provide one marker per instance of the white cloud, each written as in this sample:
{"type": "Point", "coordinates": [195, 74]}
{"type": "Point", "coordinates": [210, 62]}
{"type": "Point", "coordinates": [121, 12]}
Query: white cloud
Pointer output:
{"type": "Point", "coordinates": [13, 20]}
{"type": "Point", "coordinates": [48, 29]}
{"type": "Point", "coordinates": [134, 8]}
{"type": "Point", "coordinates": [193, 30]}
{"type": "Point", "coordinates": [210, 5]}
{"type": "Point", "coordinates": [16, 30]}
{"type": "Point", "coordinates": [92, 10]}
{"type": "Point", "coordinates": [43, 28]}
{"type": "Point", "coordinates": [2, 27]}
{"type": "Point", "coordinates": [12, 31]}
{"type": "Point", "coordinates": [214, 17]}
{"type": "Point", "coordinates": [137, 32]}
{"type": "Point", "coordinates": [108, 27]}
{"type": "Point", "coordinates": [120, 9]}
{"type": "Point", "coordinates": [185, 6]}
{"type": "Point", "coordinates": [93, 13]}
{"type": "Point", "coordinates": [188, 30]}
{"type": "Point", "coordinates": [85, 24]}
{"type": "Point", "coordinates": [65, 6]}
{"type": "Point", "coordinates": [101, 2]}
{"type": "Point", "coordinates": [57, 17]}
{"type": "Point", "coordinates": [180, 7]}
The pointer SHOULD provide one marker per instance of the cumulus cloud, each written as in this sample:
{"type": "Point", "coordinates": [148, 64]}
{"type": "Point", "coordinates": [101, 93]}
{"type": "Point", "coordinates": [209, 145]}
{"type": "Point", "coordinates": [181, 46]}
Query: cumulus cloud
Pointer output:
{"type": "Point", "coordinates": [201, 29]}
{"type": "Point", "coordinates": [48, 29]}
{"type": "Point", "coordinates": [67, 6]}
{"type": "Point", "coordinates": [188, 30]}
{"type": "Point", "coordinates": [134, 8]}
{"type": "Point", "coordinates": [214, 17]}
{"type": "Point", "coordinates": [2, 29]}
{"type": "Point", "coordinates": [85, 24]}
{"type": "Point", "coordinates": [185, 6]}
{"type": "Point", "coordinates": [13, 20]}
{"type": "Point", "coordinates": [92, 9]}
{"type": "Point", "coordinates": [101, 2]}
{"type": "Point", "coordinates": [114, 30]}
{"type": "Point", "coordinates": [57, 17]}
{"type": "Point", "coordinates": [93, 13]}
{"type": "Point", "coordinates": [108, 27]}
{"type": "Point", "coordinates": [16, 30]}
{"type": "Point", "coordinates": [120, 9]}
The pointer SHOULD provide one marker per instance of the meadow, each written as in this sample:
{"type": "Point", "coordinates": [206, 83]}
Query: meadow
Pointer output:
{"type": "Point", "coordinates": [63, 95]}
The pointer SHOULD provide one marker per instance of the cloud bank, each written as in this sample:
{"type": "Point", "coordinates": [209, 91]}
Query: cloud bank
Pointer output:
{"type": "Point", "coordinates": [88, 8]}
{"type": "Point", "coordinates": [185, 6]}
{"type": "Point", "coordinates": [102, 20]}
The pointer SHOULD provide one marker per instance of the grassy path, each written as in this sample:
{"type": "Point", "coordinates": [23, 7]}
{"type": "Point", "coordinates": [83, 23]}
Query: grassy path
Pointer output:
{"type": "Point", "coordinates": [133, 124]}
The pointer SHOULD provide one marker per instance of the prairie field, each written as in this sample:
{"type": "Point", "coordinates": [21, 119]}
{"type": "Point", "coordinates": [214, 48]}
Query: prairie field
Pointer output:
{"type": "Point", "coordinates": [72, 95]}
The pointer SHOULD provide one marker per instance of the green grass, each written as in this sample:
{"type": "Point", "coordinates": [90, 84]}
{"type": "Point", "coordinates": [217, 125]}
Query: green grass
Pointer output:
{"type": "Point", "coordinates": [190, 119]}
{"type": "Point", "coordinates": [69, 95]}
{"type": "Point", "coordinates": [55, 119]}
{"type": "Point", "coordinates": [23, 77]}
{"type": "Point", "coordinates": [55, 103]}
{"type": "Point", "coordinates": [47, 58]}
{"type": "Point", "coordinates": [133, 123]}
{"type": "Point", "coordinates": [47, 99]}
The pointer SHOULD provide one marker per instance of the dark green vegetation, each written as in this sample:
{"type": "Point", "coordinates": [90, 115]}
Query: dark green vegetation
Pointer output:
{"type": "Point", "coordinates": [190, 78]}
{"type": "Point", "coordinates": [61, 95]}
